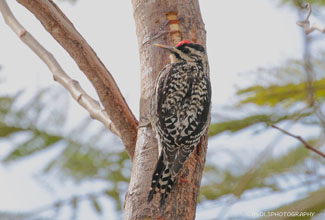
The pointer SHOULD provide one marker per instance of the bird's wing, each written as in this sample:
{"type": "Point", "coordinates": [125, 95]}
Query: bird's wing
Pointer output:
{"type": "Point", "coordinates": [182, 108]}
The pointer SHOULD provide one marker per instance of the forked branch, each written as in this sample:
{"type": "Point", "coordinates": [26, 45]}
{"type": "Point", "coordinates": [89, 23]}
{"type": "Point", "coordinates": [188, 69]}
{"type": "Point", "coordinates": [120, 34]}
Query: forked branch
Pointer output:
{"type": "Point", "coordinates": [306, 24]}
{"type": "Point", "coordinates": [59, 26]}
{"type": "Point", "coordinates": [308, 146]}
{"type": "Point", "coordinates": [91, 105]}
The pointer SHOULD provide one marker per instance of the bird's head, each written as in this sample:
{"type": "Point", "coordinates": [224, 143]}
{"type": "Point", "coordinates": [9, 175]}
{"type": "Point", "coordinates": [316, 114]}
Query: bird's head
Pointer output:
{"type": "Point", "coordinates": [186, 51]}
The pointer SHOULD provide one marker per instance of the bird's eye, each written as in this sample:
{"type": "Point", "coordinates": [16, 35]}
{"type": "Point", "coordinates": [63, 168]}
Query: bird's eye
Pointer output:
{"type": "Point", "coordinates": [186, 50]}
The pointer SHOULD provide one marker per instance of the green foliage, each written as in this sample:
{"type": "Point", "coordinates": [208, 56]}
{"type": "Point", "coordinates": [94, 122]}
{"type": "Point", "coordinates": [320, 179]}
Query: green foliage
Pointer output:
{"type": "Point", "coordinates": [287, 95]}
{"type": "Point", "coordinates": [287, 162]}
{"type": "Point", "coordinates": [38, 141]}
{"type": "Point", "coordinates": [88, 158]}
{"type": "Point", "coordinates": [41, 126]}
{"type": "Point", "coordinates": [262, 175]}
{"type": "Point", "coordinates": [96, 205]}
{"type": "Point", "coordinates": [279, 95]}
{"type": "Point", "coordinates": [6, 131]}
{"type": "Point", "coordinates": [239, 124]}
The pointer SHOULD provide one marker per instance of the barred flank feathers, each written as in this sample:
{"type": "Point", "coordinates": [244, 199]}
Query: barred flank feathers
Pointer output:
{"type": "Point", "coordinates": [162, 181]}
{"type": "Point", "coordinates": [181, 107]}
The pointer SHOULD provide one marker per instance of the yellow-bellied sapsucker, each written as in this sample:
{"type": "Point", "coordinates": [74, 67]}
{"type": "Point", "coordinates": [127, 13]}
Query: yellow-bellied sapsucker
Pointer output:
{"type": "Point", "coordinates": [180, 112]}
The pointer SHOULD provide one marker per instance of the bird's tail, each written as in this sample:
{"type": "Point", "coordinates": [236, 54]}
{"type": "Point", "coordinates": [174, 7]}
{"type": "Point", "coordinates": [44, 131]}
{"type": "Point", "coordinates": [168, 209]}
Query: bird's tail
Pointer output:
{"type": "Point", "coordinates": [162, 181]}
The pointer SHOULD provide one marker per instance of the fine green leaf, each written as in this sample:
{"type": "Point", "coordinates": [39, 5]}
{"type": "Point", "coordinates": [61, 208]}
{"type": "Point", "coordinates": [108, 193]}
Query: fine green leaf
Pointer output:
{"type": "Point", "coordinates": [38, 141]}
{"type": "Point", "coordinates": [239, 124]}
{"type": "Point", "coordinates": [6, 130]}
{"type": "Point", "coordinates": [288, 94]}
{"type": "Point", "coordinates": [223, 182]}
{"type": "Point", "coordinates": [95, 204]}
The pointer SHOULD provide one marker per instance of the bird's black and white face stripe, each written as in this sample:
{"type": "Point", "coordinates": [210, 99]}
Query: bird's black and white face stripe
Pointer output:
{"type": "Point", "coordinates": [186, 51]}
{"type": "Point", "coordinates": [189, 52]}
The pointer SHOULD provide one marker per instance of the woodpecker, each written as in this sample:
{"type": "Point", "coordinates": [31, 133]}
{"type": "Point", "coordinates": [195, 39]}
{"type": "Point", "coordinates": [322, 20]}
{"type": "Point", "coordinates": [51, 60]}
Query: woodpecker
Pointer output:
{"type": "Point", "coordinates": [180, 112]}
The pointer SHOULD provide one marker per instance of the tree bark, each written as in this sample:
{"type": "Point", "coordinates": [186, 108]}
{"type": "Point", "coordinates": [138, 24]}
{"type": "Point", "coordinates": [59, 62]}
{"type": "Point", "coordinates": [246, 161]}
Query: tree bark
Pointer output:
{"type": "Point", "coordinates": [166, 22]}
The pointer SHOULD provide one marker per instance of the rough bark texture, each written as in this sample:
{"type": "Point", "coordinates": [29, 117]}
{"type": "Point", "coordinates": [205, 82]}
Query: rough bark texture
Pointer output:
{"type": "Point", "coordinates": [166, 22]}
{"type": "Point", "coordinates": [59, 26]}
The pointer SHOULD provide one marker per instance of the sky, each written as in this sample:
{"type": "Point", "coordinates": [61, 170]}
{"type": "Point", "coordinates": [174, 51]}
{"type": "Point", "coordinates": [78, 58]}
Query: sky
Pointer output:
{"type": "Point", "coordinates": [241, 37]}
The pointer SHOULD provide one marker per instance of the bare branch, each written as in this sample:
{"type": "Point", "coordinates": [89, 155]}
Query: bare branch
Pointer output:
{"type": "Point", "coordinates": [60, 203]}
{"type": "Point", "coordinates": [306, 24]}
{"type": "Point", "coordinates": [301, 140]}
{"type": "Point", "coordinates": [91, 105]}
{"type": "Point", "coordinates": [59, 26]}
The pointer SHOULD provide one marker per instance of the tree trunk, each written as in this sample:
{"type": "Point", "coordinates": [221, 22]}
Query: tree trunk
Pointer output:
{"type": "Point", "coordinates": [166, 22]}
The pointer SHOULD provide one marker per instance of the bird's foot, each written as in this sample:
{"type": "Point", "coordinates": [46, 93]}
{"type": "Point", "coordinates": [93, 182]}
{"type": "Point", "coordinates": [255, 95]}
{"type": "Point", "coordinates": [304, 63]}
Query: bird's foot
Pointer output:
{"type": "Point", "coordinates": [144, 123]}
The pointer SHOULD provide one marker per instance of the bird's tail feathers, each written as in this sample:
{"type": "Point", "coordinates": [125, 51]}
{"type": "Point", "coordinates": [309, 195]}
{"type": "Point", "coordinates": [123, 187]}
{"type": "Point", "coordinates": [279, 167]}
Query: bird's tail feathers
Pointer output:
{"type": "Point", "coordinates": [162, 181]}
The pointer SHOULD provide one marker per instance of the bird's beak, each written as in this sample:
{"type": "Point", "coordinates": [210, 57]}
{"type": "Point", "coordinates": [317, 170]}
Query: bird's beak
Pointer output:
{"type": "Point", "coordinates": [165, 47]}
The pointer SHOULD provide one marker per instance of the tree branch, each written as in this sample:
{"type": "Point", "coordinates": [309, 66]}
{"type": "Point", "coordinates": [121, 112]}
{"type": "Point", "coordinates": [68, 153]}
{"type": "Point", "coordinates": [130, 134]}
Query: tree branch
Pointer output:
{"type": "Point", "coordinates": [60, 203]}
{"type": "Point", "coordinates": [91, 105]}
{"type": "Point", "coordinates": [306, 24]}
{"type": "Point", "coordinates": [59, 26]}
{"type": "Point", "coordinates": [301, 140]}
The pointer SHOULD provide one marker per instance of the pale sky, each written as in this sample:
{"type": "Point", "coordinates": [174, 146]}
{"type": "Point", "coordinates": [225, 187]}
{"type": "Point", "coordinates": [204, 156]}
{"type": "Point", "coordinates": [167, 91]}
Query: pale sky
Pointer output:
{"type": "Point", "coordinates": [241, 36]}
